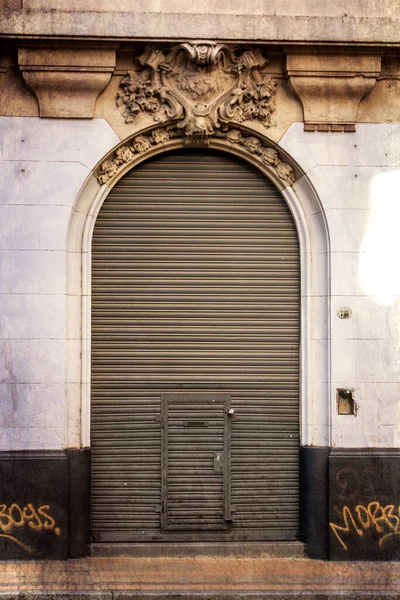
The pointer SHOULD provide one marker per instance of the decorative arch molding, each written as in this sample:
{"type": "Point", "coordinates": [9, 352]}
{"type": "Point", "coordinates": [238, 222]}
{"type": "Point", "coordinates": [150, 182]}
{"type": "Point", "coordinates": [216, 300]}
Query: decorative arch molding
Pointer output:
{"type": "Point", "coordinates": [238, 140]}
{"type": "Point", "coordinates": [311, 225]}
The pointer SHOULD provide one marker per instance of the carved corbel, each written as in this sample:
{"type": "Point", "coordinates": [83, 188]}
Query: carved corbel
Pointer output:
{"type": "Point", "coordinates": [330, 86]}
{"type": "Point", "coordinates": [66, 80]}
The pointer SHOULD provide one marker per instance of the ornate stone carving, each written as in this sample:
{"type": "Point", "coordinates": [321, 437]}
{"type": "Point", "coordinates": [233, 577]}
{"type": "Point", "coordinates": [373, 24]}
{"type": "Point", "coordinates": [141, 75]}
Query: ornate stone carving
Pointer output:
{"type": "Point", "coordinates": [201, 85]}
{"type": "Point", "coordinates": [126, 154]}
{"type": "Point", "coordinates": [267, 155]}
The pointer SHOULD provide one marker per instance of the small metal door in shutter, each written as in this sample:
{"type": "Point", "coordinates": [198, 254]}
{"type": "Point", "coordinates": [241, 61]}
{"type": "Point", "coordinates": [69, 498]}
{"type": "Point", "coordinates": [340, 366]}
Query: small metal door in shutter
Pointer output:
{"type": "Point", "coordinates": [195, 290]}
{"type": "Point", "coordinates": [196, 461]}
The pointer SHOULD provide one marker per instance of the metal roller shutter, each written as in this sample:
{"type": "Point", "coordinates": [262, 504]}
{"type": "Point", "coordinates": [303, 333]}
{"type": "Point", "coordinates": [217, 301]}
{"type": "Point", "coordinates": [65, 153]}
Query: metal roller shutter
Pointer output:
{"type": "Point", "coordinates": [195, 299]}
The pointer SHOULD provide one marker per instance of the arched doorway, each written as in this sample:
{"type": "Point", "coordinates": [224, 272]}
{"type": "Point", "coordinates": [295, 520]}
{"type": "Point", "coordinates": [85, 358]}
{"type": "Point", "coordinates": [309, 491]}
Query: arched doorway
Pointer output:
{"type": "Point", "coordinates": [195, 354]}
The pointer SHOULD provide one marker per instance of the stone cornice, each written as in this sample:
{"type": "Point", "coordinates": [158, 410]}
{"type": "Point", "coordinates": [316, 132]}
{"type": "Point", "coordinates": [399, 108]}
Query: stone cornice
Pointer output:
{"type": "Point", "coordinates": [309, 21]}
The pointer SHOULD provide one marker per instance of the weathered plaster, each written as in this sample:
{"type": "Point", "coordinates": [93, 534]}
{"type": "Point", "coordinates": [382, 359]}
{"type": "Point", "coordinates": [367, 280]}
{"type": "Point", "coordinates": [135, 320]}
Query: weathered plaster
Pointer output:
{"type": "Point", "coordinates": [357, 178]}
{"type": "Point", "coordinates": [41, 299]}
{"type": "Point", "coordinates": [42, 167]}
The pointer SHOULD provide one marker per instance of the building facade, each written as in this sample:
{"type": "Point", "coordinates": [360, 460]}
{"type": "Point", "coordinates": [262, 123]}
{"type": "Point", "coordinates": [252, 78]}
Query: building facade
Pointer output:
{"type": "Point", "coordinates": [200, 290]}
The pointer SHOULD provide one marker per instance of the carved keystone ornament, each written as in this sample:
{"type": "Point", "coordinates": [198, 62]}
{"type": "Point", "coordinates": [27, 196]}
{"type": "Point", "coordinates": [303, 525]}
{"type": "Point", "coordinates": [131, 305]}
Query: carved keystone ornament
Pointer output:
{"type": "Point", "coordinates": [197, 90]}
{"type": "Point", "coordinates": [201, 85]}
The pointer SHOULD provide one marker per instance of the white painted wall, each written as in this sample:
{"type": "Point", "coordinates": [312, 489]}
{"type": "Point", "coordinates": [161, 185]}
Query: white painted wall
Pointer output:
{"type": "Point", "coordinates": [357, 177]}
{"type": "Point", "coordinates": [43, 164]}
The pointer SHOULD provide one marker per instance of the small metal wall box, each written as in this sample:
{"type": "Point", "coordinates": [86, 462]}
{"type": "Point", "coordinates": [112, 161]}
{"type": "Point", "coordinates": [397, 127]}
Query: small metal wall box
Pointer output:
{"type": "Point", "coordinates": [345, 402]}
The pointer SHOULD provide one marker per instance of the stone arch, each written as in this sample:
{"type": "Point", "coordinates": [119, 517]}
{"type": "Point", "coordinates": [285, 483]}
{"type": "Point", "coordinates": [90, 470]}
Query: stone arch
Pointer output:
{"type": "Point", "coordinates": [312, 230]}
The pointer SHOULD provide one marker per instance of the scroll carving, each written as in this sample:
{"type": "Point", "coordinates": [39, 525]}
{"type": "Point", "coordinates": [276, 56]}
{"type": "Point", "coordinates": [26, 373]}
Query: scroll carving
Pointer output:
{"type": "Point", "coordinates": [201, 85]}
{"type": "Point", "coordinates": [129, 152]}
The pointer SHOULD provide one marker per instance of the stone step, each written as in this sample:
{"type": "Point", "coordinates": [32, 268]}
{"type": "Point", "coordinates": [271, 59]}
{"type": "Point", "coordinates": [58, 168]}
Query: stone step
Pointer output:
{"type": "Point", "coordinates": [203, 549]}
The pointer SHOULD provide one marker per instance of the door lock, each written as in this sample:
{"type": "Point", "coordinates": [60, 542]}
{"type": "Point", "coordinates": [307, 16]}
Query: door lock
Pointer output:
{"type": "Point", "coordinates": [218, 462]}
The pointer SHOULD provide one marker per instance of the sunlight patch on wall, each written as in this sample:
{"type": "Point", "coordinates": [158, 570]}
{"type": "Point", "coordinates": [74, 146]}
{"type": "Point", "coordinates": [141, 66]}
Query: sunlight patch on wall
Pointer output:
{"type": "Point", "coordinates": [379, 270]}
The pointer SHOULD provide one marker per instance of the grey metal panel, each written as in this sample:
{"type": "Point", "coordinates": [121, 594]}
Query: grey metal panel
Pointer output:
{"type": "Point", "coordinates": [195, 289]}
{"type": "Point", "coordinates": [195, 461]}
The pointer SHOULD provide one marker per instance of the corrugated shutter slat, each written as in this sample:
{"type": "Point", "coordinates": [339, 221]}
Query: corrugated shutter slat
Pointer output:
{"type": "Point", "coordinates": [195, 289]}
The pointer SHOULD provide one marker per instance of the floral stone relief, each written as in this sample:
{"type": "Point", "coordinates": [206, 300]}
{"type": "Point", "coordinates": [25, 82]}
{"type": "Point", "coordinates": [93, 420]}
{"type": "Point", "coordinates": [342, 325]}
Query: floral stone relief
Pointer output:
{"type": "Point", "coordinates": [126, 154]}
{"type": "Point", "coordinates": [201, 85]}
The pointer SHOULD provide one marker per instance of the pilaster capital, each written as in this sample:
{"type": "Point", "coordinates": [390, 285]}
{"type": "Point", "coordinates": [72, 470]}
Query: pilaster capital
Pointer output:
{"type": "Point", "coordinates": [330, 85]}
{"type": "Point", "coordinates": [66, 80]}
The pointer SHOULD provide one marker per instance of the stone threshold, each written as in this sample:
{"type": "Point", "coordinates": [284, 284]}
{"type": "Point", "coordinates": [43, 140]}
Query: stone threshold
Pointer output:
{"type": "Point", "coordinates": [201, 549]}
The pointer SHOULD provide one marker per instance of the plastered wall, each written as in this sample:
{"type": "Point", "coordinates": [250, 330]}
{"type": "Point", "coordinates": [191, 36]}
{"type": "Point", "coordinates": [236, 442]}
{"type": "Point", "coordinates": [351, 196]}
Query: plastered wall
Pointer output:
{"type": "Point", "coordinates": [357, 177]}
{"type": "Point", "coordinates": [43, 165]}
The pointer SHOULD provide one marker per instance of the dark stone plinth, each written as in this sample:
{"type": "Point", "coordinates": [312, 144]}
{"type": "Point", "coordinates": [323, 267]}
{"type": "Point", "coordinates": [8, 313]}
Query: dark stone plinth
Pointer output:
{"type": "Point", "coordinates": [78, 502]}
{"type": "Point", "coordinates": [364, 504]}
{"type": "Point", "coordinates": [314, 500]}
{"type": "Point", "coordinates": [33, 505]}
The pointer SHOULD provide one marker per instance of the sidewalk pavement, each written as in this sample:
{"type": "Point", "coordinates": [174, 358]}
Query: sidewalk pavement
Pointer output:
{"type": "Point", "coordinates": [200, 578]}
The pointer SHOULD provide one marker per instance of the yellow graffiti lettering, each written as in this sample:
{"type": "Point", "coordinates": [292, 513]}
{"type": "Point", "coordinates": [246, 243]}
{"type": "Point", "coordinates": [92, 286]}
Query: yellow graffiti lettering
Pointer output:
{"type": "Point", "coordinates": [377, 515]}
{"type": "Point", "coordinates": [49, 523]}
{"type": "Point", "coordinates": [383, 520]}
{"type": "Point", "coordinates": [393, 520]}
{"type": "Point", "coordinates": [20, 519]}
{"type": "Point", "coordinates": [364, 519]}
{"type": "Point", "coordinates": [31, 516]}
{"type": "Point", "coordinates": [347, 516]}
{"type": "Point", "coordinates": [6, 522]}
{"type": "Point", "coordinates": [14, 516]}
{"type": "Point", "coordinates": [16, 541]}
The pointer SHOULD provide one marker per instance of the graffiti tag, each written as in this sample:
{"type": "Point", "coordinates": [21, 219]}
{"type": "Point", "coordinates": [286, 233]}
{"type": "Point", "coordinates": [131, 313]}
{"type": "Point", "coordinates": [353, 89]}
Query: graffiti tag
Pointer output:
{"type": "Point", "coordinates": [13, 516]}
{"type": "Point", "coordinates": [383, 520]}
